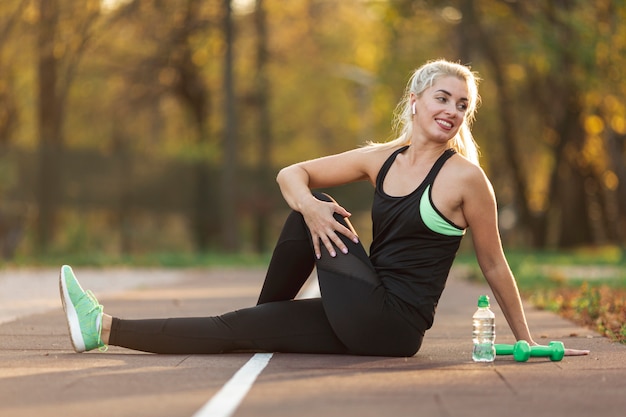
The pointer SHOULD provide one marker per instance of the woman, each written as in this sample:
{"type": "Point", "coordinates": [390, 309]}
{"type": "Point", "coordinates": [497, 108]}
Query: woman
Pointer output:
{"type": "Point", "coordinates": [428, 190]}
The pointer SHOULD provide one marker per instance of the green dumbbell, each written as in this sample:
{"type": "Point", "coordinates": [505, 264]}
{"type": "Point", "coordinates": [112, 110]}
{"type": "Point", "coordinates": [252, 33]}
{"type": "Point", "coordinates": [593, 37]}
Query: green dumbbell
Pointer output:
{"type": "Point", "coordinates": [522, 351]}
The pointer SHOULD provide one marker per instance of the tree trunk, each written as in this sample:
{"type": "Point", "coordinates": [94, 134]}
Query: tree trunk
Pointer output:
{"type": "Point", "coordinates": [570, 195]}
{"type": "Point", "coordinates": [263, 207]}
{"type": "Point", "coordinates": [616, 145]}
{"type": "Point", "coordinates": [228, 190]}
{"type": "Point", "coordinates": [194, 91]}
{"type": "Point", "coordinates": [49, 123]}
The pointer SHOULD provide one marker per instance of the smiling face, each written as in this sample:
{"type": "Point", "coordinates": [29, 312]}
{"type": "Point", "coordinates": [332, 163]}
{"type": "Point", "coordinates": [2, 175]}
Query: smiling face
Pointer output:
{"type": "Point", "coordinates": [440, 109]}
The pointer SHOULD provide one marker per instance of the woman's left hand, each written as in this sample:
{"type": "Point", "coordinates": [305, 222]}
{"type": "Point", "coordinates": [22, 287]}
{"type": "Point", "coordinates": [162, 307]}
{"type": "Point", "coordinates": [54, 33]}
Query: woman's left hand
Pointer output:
{"type": "Point", "coordinates": [576, 352]}
{"type": "Point", "coordinates": [568, 352]}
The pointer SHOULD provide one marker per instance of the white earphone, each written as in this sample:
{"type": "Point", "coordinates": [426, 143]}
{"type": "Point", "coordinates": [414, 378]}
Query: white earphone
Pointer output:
{"type": "Point", "coordinates": [413, 109]}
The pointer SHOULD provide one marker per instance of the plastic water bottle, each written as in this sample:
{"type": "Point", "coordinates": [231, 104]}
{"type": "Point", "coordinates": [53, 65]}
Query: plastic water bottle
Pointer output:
{"type": "Point", "coordinates": [484, 334]}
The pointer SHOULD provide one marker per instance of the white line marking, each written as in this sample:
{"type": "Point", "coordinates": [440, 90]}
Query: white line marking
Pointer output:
{"type": "Point", "coordinates": [227, 399]}
{"type": "Point", "coordinates": [311, 289]}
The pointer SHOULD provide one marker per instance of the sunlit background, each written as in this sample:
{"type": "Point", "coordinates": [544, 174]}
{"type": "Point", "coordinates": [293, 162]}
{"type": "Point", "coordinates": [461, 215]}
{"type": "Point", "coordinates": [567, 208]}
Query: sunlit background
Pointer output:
{"type": "Point", "coordinates": [151, 126]}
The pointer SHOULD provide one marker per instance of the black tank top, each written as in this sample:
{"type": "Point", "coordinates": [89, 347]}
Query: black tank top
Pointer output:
{"type": "Point", "coordinates": [412, 260]}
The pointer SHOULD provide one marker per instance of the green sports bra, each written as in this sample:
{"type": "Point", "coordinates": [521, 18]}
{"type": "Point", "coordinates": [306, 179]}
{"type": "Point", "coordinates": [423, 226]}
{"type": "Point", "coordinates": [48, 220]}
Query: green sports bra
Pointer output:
{"type": "Point", "coordinates": [435, 220]}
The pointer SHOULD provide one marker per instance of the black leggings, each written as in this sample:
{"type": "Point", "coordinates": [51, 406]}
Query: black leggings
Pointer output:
{"type": "Point", "coordinates": [355, 315]}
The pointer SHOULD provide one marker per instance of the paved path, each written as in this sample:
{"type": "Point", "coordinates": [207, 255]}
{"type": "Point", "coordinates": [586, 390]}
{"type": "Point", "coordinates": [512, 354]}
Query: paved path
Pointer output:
{"type": "Point", "coordinates": [41, 376]}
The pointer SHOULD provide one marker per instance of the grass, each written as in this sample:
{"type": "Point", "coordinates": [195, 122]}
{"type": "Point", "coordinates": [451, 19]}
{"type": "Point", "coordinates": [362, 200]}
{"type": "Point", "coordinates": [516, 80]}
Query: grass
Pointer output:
{"type": "Point", "coordinates": [587, 286]}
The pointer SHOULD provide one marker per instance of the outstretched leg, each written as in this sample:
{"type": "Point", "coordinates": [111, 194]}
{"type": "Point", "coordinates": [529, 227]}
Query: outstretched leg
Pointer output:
{"type": "Point", "coordinates": [297, 326]}
{"type": "Point", "coordinates": [285, 326]}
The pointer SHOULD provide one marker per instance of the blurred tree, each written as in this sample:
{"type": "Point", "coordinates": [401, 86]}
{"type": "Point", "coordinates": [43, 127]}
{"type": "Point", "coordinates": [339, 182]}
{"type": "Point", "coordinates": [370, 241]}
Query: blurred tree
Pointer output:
{"type": "Point", "coordinates": [153, 124]}
{"type": "Point", "coordinates": [8, 105]}
{"type": "Point", "coordinates": [606, 121]}
{"type": "Point", "coordinates": [263, 201]}
{"type": "Point", "coordinates": [191, 87]}
{"type": "Point", "coordinates": [163, 64]}
{"type": "Point", "coordinates": [12, 217]}
{"type": "Point", "coordinates": [534, 66]}
{"type": "Point", "coordinates": [229, 167]}
{"type": "Point", "coordinates": [61, 42]}
{"type": "Point", "coordinates": [49, 118]}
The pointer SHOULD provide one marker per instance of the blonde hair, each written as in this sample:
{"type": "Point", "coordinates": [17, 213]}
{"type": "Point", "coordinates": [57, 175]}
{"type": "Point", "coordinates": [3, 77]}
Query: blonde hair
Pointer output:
{"type": "Point", "coordinates": [423, 78]}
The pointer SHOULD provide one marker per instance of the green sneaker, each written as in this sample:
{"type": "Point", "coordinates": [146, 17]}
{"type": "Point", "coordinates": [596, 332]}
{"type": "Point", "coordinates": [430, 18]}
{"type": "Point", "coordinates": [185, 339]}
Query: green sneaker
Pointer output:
{"type": "Point", "coordinates": [83, 312]}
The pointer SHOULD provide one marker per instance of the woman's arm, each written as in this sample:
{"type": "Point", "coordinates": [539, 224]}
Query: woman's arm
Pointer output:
{"type": "Point", "coordinates": [296, 182]}
{"type": "Point", "coordinates": [479, 208]}
{"type": "Point", "coordinates": [480, 211]}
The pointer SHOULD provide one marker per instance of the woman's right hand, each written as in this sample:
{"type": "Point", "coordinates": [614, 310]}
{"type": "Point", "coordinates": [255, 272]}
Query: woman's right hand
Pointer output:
{"type": "Point", "coordinates": [324, 228]}
{"type": "Point", "coordinates": [296, 182]}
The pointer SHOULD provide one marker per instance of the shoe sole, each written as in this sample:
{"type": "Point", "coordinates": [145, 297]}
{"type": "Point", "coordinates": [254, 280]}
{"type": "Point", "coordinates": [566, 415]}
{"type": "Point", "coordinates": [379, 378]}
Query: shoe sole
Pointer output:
{"type": "Point", "coordinates": [73, 324]}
